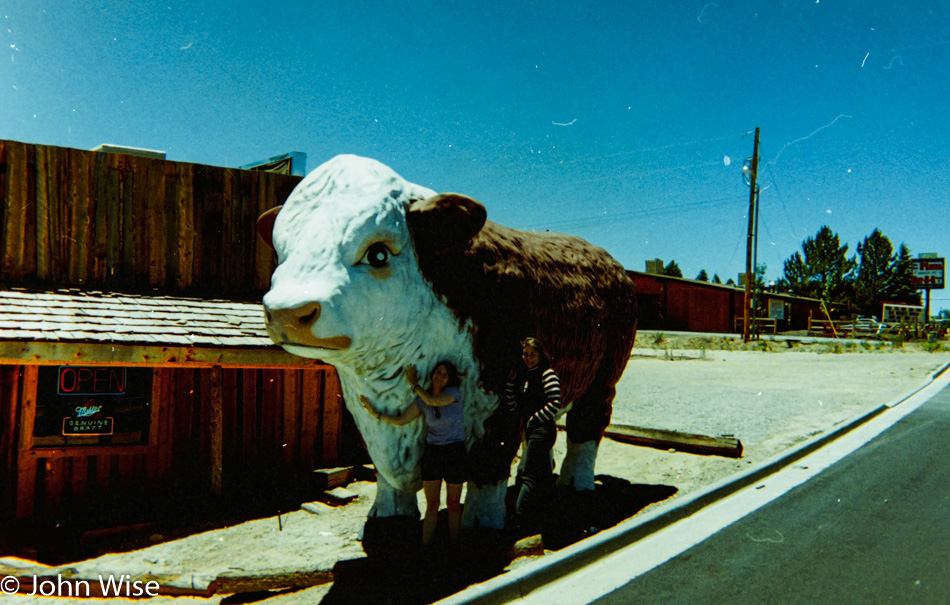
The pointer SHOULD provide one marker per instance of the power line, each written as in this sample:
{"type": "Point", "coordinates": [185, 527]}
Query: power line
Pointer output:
{"type": "Point", "coordinates": [592, 158]}
{"type": "Point", "coordinates": [640, 212]}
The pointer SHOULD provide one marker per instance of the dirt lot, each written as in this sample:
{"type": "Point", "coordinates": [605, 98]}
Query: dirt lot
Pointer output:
{"type": "Point", "coordinates": [770, 395]}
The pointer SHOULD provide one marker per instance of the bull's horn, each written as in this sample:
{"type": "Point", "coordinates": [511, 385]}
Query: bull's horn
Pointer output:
{"type": "Point", "coordinates": [265, 226]}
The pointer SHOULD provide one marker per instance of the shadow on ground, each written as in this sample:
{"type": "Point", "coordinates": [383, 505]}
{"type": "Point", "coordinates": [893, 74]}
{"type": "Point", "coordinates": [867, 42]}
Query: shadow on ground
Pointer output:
{"type": "Point", "coordinates": [399, 570]}
{"type": "Point", "coordinates": [110, 524]}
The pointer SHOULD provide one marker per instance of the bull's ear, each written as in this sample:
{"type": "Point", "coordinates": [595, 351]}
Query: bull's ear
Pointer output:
{"type": "Point", "coordinates": [265, 226]}
{"type": "Point", "coordinates": [444, 222]}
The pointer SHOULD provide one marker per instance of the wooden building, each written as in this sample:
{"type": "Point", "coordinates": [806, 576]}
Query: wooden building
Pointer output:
{"type": "Point", "coordinates": [675, 303]}
{"type": "Point", "coordinates": [133, 354]}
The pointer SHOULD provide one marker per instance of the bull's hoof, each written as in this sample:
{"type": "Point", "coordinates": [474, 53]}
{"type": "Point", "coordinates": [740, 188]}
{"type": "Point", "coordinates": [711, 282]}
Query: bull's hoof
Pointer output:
{"type": "Point", "coordinates": [391, 537]}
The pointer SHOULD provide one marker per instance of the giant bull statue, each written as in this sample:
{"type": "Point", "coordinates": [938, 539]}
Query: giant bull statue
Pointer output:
{"type": "Point", "coordinates": [375, 273]}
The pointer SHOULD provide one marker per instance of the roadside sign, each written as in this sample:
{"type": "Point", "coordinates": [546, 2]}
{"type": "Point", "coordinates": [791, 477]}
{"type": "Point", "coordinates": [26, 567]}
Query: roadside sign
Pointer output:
{"type": "Point", "coordinates": [928, 273]}
{"type": "Point", "coordinates": [900, 313]}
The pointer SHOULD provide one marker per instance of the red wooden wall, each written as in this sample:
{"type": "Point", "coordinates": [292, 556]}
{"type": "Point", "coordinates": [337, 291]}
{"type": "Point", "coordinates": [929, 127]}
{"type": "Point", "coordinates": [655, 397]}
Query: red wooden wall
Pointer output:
{"type": "Point", "coordinates": [275, 422]}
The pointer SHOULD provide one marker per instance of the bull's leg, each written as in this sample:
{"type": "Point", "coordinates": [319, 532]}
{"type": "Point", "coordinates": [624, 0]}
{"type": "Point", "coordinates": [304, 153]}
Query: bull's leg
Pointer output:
{"type": "Point", "coordinates": [577, 469]}
{"type": "Point", "coordinates": [586, 421]}
{"type": "Point", "coordinates": [391, 502]}
{"type": "Point", "coordinates": [485, 505]}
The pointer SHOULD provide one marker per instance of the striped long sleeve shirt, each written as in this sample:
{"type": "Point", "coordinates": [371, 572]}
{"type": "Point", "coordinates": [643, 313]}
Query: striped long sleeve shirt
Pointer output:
{"type": "Point", "coordinates": [541, 403]}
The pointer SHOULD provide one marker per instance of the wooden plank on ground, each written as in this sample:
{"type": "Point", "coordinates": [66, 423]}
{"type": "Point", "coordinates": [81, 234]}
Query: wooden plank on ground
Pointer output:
{"type": "Point", "coordinates": [725, 445]}
{"type": "Point", "coordinates": [329, 478]}
{"type": "Point", "coordinates": [231, 582]}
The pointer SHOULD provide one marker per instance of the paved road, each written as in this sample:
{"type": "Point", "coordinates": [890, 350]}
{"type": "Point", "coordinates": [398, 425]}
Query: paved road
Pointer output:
{"type": "Point", "coordinates": [872, 528]}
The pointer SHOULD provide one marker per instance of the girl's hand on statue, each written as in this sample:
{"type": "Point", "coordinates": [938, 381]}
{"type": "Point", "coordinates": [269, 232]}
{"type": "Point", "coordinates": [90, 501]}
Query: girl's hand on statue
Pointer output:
{"type": "Point", "coordinates": [366, 404]}
{"type": "Point", "coordinates": [412, 375]}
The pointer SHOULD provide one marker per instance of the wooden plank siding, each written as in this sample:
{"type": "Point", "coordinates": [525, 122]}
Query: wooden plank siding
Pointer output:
{"type": "Point", "coordinates": [270, 423]}
{"type": "Point", "coordinates": [74, 218]}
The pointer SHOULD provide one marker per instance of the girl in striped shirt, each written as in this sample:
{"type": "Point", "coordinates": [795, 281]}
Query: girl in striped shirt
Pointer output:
{"type": "Point", "coordinates": [535, 393]}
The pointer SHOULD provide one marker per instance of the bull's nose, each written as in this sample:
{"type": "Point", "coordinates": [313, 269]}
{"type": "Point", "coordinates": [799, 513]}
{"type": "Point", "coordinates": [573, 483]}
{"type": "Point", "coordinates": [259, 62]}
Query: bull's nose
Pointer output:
{"type": "Point", "coordinates": [295, 326]}
{"type": "Point", "coordinates": [294, 318]}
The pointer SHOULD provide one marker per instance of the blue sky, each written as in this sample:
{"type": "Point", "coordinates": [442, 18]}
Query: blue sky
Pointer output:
{"type": "Point", "coordinates": [625, 123]}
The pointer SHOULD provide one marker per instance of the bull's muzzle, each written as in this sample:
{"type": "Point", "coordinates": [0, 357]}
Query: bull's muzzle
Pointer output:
{"type": "Point", "coordinates": [294, 326]}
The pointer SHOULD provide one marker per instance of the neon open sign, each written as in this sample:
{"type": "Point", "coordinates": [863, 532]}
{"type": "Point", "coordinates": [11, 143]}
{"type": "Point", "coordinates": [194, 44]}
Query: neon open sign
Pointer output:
{"type": "Point", "coordinates": [82, 380]}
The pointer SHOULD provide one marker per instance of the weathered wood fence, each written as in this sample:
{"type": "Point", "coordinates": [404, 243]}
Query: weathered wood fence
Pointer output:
{"type": "Point", "coordinates": [119, 222]}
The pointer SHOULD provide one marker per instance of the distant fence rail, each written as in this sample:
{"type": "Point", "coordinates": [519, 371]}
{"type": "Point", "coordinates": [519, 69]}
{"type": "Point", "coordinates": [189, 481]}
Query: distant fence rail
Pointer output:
{"type": "Point", "coordinates": [761, 325]}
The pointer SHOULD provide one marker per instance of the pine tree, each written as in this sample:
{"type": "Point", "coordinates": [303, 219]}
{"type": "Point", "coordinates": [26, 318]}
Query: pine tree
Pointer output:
{"type": "Point", "coordinates": [882, 275]}
{"type": "Point", "coordinates": [703, 276]}
{"type": "Point", "coordinates": [824, 272]}
{"type": "Point", "coordinates": [672, 269]}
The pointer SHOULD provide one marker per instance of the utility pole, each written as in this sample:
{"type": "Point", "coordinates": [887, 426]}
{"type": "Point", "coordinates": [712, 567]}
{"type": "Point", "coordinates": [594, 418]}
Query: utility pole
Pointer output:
{"type": "Point", "coordinates": [749, 269]}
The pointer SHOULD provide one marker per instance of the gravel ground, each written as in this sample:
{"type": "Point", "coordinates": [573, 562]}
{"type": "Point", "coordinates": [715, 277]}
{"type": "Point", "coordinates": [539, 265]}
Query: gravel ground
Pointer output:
{"type": "Point", "coordinates": [771, 398]}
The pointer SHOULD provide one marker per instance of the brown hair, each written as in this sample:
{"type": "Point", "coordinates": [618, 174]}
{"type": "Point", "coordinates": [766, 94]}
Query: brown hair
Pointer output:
{"type": "Point", "coordinates": [455, 377]}
{"type": "Point", "coordinates": [535, 344]}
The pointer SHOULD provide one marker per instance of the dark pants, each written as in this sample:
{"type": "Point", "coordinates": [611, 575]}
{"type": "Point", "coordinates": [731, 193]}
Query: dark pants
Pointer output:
{"type": "Point", "coordinates": [537, 474]}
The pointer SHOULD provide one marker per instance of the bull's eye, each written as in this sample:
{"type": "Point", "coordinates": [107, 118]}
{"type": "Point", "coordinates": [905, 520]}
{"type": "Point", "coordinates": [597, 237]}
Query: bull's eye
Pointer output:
{"type": "Point", "coordinates": [377, 255]}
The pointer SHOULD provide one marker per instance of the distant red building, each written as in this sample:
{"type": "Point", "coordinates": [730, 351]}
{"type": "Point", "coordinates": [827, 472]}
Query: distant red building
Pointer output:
{"type": "Point", "coordinates": [674, 303]}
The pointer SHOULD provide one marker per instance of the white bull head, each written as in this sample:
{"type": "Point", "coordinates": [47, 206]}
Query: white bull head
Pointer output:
{"type": "Point", "coordinates": [348, 290]}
